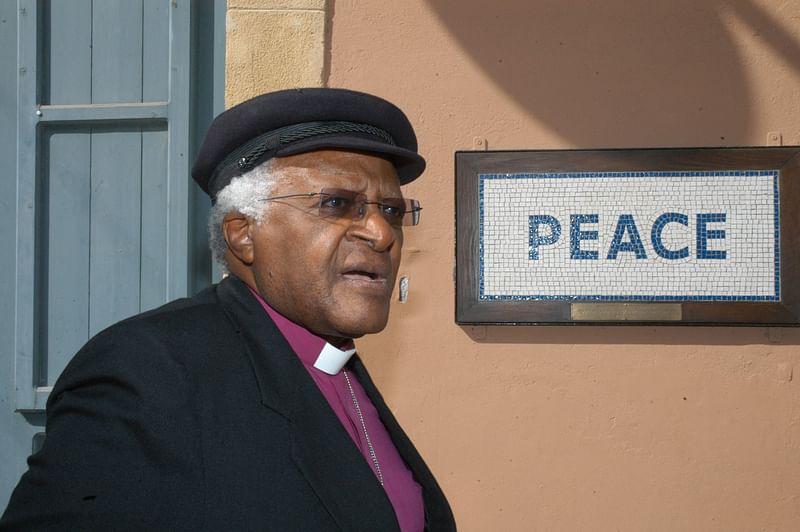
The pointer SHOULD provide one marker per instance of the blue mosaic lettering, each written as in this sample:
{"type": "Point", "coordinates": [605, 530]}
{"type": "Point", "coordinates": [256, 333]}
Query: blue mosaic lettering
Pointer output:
{"type": "Point", "coordinates": [536, 239]}
{"type": "Point", "coordinates": [655, 235]}
{"type": "Point", "coordinates": [626, 224]}
{"type": "Point", "coordinates": [576, 235]}
{"type": "Point", "coordinates": [704, 235]}
{"type": "Point", "coordinates": [735, 229]}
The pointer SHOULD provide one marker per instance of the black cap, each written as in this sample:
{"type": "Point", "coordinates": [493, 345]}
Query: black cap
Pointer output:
{"type": "Point", "coordinates": [293, 121]}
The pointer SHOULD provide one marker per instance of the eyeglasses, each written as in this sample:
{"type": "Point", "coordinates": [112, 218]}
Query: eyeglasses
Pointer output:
{"type": "Point", "coordinates": [341, 204]}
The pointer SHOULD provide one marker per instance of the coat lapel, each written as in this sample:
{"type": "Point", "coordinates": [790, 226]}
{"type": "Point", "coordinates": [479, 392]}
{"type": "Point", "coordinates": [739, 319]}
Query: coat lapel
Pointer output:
{"type": "Point", "coordinates": [321, 448]}
{"type": "Point", "coordinates": [438, 515]}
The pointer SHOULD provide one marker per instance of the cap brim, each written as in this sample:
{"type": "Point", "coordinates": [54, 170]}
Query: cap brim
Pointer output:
{"type": "Point", "coordinates": [409, 164]}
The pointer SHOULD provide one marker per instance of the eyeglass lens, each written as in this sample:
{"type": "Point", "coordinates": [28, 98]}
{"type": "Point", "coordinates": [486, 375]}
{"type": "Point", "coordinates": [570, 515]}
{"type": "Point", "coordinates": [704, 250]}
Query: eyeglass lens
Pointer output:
{"type": "Point", "coordinates": [347, 204]}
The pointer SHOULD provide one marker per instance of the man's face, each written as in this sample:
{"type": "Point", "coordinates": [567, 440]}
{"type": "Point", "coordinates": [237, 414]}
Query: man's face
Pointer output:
{"type": "Point", "coordinates": [335, 277]}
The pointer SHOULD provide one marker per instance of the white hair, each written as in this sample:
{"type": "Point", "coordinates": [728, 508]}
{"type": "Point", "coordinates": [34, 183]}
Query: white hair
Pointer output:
{"type": "Point", "coordinates": [245, 195]}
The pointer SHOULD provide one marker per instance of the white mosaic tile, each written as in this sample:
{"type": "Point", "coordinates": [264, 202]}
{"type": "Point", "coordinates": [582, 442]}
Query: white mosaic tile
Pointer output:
{"type": "Point", "coordinates": [645, 236]}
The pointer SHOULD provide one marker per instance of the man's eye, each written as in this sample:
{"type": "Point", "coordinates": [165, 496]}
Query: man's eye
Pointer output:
{"type": "Point", "coordinates": [392, 211]}
{"type": "Point", "coordinates": [335, 203]}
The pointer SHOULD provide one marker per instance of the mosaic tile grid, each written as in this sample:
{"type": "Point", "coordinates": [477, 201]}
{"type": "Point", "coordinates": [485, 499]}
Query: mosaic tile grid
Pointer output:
{"type": "Point", "coordinates": [642, 236]}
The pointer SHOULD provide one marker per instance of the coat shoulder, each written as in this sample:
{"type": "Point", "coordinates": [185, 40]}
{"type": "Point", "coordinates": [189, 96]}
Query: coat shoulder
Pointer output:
{"type": "Point", "coordinates": [174, 339]}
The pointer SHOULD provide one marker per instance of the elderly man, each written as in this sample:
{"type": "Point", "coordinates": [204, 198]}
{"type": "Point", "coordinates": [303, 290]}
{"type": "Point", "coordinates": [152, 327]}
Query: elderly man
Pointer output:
{"type": "Point", "coordinates": [244, 407]}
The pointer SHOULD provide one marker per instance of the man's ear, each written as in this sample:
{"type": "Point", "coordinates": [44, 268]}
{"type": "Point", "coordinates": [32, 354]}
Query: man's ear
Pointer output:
{"type": "Point", "coordinates": [236, 228]}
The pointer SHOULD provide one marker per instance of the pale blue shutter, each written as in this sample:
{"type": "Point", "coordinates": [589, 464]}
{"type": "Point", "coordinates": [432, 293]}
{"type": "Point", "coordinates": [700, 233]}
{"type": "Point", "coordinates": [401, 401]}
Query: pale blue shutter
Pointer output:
{"type": "Point", "coordinates": [103, 206]}
{"type": "Point", "coordinates": [101, 106]}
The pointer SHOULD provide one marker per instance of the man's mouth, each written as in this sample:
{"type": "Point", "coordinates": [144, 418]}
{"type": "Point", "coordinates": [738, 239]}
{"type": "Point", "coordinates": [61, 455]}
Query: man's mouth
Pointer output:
{"type": "Point", "coordinates": [365, 275]}
{"type": "Point", "coordinates": [361, 274]}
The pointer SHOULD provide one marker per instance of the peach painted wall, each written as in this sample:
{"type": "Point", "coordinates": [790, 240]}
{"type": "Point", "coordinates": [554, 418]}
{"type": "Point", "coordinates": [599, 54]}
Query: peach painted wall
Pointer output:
{"type": "Point", "coordinates": [588, 428]}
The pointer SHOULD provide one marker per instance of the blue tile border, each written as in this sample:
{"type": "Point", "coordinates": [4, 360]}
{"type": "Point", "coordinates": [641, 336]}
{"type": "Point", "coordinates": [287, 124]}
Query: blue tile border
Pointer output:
{"type": "Point", "coordinates": [775, 174]}
{"type": "Point", "coordinates": [628, 298]}
{"type": "Point", "coordinates": [777, 201]}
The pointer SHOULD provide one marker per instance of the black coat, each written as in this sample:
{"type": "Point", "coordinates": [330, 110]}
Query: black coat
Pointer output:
{"type": "Point", "coordinates": [198, 416]}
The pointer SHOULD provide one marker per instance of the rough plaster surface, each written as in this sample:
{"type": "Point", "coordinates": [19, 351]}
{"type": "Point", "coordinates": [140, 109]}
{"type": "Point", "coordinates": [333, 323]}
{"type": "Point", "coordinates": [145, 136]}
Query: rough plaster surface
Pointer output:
{"type": "Point", "coordinates": [589, 428]}
{"type": "Point", "coordinates": [276, 4]}
{"type": "Point", "coordinates": [273, 48]}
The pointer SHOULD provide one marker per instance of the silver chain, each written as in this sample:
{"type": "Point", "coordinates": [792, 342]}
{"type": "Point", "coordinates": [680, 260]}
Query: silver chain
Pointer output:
{"type": "Point", "coordinates": [364, 428]}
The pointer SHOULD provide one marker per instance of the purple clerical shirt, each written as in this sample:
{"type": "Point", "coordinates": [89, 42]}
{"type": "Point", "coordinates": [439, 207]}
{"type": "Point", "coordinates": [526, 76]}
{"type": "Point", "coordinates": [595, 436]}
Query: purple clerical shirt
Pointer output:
{"type": "Point", "coordinates": [401, 488]}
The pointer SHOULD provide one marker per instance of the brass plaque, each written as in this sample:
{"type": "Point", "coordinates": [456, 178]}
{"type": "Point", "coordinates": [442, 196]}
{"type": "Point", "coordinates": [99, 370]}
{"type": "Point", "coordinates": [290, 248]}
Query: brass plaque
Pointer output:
{"type": "Point", "coordinates": [626, 312]}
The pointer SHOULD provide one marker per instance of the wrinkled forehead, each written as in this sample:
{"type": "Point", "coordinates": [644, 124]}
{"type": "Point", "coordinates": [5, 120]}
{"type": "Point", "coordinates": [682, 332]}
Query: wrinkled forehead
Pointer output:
{"type": "Point", "coordinates": [346, 169]}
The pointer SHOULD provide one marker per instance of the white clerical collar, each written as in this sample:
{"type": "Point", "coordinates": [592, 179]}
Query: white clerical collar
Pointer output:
{"type": "Point", "coordinates": [331, 359]}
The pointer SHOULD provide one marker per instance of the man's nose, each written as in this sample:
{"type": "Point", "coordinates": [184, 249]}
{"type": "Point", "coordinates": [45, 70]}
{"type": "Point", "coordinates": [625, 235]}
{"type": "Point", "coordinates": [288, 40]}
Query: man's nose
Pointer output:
{"type": "Point", "coordinates": [373, 228]}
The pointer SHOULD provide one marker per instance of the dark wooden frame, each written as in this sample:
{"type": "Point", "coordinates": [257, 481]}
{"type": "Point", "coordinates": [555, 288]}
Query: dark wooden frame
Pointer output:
{"type": "Point", "coordinates": [470, 310]}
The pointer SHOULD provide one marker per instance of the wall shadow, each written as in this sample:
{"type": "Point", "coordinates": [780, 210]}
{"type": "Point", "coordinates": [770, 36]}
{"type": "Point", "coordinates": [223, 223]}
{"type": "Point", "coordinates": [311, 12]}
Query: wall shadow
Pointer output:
{"type": "Point", "coordinates": [620, 72]}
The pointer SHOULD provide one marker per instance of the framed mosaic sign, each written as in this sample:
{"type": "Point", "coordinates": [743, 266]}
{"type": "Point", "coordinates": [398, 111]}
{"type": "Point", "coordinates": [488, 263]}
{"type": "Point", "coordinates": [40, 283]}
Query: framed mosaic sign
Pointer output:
{"type": "Point", "coordinates": [702, 236]}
